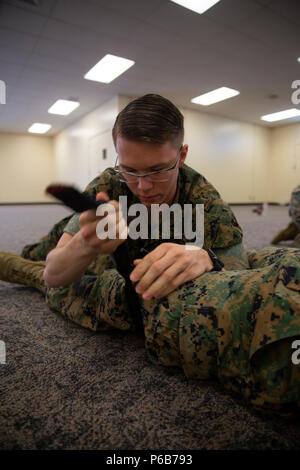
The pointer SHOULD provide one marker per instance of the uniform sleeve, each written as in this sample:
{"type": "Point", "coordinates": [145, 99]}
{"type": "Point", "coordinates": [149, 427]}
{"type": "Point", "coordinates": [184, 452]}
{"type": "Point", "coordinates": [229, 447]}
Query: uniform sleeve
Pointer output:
{"type": "Point", "coordinates": [221, 225]}
{"type": "Point", "coordinates": [234, 258]}
{"type": "Point", "coordinates": [221, 229]}
{"type": "Point", "coordinates": [72, 226]}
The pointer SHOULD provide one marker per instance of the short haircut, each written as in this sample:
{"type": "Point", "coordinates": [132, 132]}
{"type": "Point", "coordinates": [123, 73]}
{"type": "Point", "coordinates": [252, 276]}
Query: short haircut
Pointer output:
{"type": "Point", "coordinates": [150, 118]}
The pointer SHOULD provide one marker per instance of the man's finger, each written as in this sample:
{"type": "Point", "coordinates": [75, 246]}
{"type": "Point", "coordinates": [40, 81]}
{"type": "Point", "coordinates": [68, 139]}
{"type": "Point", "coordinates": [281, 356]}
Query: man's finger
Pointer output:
{"type": "Point", "coordinates": [137, 261]}
{"type": "Point", "coordinates": [159, 272]}
{"type": "Point", "coordinates": [167, 281]}
{"type": "Point", "coordinates": [157, 254]}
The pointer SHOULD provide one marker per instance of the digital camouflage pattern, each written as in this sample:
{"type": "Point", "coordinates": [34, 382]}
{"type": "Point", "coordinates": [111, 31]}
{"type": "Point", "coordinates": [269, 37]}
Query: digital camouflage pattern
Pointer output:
{"type": "Point", "coordinates": [220, 225]}
{"type": "Point", "coordinates": [38, 251]}
{"type": "Point", "coordinates": [236, 326]}
{"type": "Point", "coordinates": [294, 209]}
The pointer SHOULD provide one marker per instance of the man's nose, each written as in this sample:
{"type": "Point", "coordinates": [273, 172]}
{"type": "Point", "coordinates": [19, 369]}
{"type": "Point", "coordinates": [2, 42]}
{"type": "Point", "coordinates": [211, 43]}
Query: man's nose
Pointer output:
{"type": "Point", "coordinates": [144, 183]}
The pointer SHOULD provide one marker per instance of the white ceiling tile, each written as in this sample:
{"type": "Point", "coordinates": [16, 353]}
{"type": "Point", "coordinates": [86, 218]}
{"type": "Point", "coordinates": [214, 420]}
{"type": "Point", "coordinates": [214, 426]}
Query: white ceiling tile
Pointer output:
{"type": "Point", "coordinates": [174, 18]}
{"type": "Point", "coordinates": [63, 51]}
{"type": "Point", "coordinates": [289, 10]}
{"type": "Point", "coordinates": [93, 16]}
{"type": "Point", "coordinates": [76, 35]}
{"type": "Point", "coordinates": [45, 77]}
{"type": "Point", "coordinates": [231, 12]}
{"type": "Point", "coordinates": [251, 45]}
{"type": "Point", "coordinates": [135, 8]}
{"type": "Point", "coordinates": [272, 29]}
{"type": "Point", "coordinates": [62, 67]}
{"type": "Point", "coordinates": [20, 20]}
{"type": "Point", "coordinates": [13, 55]}
{"type": "Point", "coordinates": [43, 8]}
{"type": "Point", "coordinates": [263, 2]}
{"type": "Point", "coordinates": [10, 72]}
{"type": "Point", "coordinates": [12, 39]}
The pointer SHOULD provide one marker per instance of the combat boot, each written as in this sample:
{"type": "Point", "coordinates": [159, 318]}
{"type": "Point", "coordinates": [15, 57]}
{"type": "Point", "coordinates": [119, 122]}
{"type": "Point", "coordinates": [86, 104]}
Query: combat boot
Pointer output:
{"type": "Point", "coordinates": [288, 233]}
{"type": "Point", "coordinates": [15, 269]}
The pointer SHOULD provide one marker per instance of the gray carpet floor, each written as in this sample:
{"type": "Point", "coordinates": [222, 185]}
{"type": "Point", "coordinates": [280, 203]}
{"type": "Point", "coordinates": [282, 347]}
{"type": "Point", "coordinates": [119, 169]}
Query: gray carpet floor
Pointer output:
{"type": "Point", "coordinates": [64, 387]}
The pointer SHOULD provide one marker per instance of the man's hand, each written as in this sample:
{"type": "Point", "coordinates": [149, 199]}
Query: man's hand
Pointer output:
{"type": "Point", "coordinates": [115, 222]}
{"type": "Point", "coordinates": [167, 267]}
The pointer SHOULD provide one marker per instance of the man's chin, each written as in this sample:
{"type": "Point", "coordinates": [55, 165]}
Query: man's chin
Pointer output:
{"type": "Point", "coordinates": [149, 201]}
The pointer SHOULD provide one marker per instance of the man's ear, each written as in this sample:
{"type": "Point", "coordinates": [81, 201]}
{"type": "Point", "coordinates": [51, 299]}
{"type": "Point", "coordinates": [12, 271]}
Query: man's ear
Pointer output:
{"type": "Point", "coordinates": [183, 155]}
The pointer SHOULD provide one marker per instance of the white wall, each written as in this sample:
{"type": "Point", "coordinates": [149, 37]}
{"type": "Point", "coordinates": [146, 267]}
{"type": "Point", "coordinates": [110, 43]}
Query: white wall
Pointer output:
{"type": "Point", "coordinates": [74, 147]}
{"type": "Point", "coordinates": [26, 167]}
{"type": "Point", "coordinates": [245, 162]}
{"type": "Point", "coordinates": [285, 161]}
{"type": "Point", "coordinates": [233, 156]}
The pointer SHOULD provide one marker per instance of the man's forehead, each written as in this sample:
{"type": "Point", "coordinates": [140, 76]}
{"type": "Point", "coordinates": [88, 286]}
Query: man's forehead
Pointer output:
{"type": "Point", "coordinates": [122, 143]}
{"type": "Point", "coordinates": [144, 155]}
{"type": "Point", "coordinates": [144, 163]}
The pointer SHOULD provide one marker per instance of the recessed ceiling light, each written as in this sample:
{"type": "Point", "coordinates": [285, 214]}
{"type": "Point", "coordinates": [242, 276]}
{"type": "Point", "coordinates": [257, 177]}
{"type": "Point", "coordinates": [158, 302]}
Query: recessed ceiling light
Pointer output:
{"type": "Point", "coordinates": [298, 59]}
{"type": "Point", "coordinates": [63, 107]}
{"type": "Point", "coordinates": [108, 68]}
{"type": "Point", "coordinates": [39, 128]}
{"type": "Point", "coordinates": [215, 96]}
{"type": "Point", "coordinates": [288, 113]}
{"type": "Point", "coordinates": [196, 5]}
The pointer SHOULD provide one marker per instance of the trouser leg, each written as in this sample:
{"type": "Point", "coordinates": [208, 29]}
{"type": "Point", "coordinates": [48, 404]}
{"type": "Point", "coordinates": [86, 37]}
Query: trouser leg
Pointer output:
{"type": "Point", "coordinates": [277, 375]}
{"type": "Point", "coordinates": [288, 233]}
{"type": "Point", "coordinates": [270, 255]}
{"type": "Point", "coordinates": [38, 251]}
{"type": "Point", "coordinates": [18, 270]}
{"type": "Point", "coordinates": [240, 326]}
{"type": "Point", "coordinates": [93, 302]}
{"type": "Point", "coordinates": [236, 326]}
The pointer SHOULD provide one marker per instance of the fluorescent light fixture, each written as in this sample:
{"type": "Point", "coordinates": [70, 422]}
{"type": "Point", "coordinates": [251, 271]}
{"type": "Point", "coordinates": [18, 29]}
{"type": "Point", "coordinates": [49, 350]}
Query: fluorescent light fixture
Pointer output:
{"type": "Point", "coordinates": [215, 96]}
{"type": "Point", "coordinates": [39, 128]}
{"type": "Point", "coordinates": [288, 113]}
{"type": "Point", "coordinates": [108, 68]}
{"type": "Point", "coordinates": [63, 107]}
{"type": "Point", "coordinates": [199, 6]}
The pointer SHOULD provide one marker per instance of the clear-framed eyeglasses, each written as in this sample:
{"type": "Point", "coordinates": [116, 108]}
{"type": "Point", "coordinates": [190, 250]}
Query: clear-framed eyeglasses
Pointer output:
{"type": "Point", "coordinates": [155, 176]}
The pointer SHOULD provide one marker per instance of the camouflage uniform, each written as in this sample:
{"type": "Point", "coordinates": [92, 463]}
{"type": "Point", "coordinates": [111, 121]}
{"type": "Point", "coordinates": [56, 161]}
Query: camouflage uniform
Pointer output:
{"type": "Point", "coordinates": [38, 251]}
{"type": "Point", "coordinates": [222, 233]}
{"type": "Point", "coordinates": [236, 326]}
{"type": "Point", "coordinates": [220, 225]}
{"type": "Point", "coordinates": [294, 210]}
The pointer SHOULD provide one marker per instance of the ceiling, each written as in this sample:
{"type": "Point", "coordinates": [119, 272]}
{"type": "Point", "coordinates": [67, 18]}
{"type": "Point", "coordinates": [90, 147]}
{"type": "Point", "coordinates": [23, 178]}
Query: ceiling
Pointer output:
{"type": "Point", "coordinates": [248, 45]}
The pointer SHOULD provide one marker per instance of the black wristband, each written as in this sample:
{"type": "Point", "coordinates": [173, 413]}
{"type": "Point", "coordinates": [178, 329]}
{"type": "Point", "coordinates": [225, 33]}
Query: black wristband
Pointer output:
{"type": "Point", "coordinates": [217, 263]}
